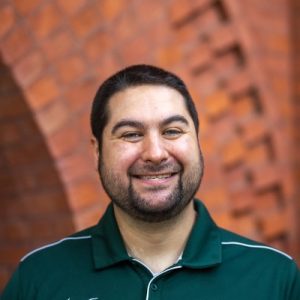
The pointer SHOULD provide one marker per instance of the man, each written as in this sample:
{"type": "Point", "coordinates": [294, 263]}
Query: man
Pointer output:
{"type": "Point", "coordinates": [155, 241]}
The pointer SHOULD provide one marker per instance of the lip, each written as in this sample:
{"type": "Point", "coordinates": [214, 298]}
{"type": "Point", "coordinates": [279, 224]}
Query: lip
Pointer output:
{"type": "Point", "coordinates": [155, 179]}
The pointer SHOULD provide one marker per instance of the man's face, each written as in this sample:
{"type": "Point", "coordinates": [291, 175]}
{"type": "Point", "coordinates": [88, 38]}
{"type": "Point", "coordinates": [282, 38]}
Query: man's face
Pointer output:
{"type": "Point", "coordinates": [150, 163]}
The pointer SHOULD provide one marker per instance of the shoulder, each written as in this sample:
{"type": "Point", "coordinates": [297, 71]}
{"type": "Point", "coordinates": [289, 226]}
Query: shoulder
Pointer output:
{"type": "Point", "coordinates": [61, 247]}
{"type": "Point", "coordinates": [255, 255]}
{"type": "Point", "coordinates": [260, 263]}
{"type": "Point", "coordinates": [237, 243]}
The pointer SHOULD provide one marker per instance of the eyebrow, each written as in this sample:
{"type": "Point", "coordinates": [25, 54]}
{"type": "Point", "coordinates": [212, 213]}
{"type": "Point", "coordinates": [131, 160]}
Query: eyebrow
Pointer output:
{"type": "Point", "coordinates": [129, 123]}
{"type": "Point", "coordinates": [140, 125]}
{"type": "Point", "coordinates": [175, 118]}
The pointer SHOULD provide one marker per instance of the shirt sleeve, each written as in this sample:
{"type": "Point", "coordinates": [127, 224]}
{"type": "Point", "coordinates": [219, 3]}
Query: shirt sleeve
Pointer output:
{"type": "Point", "coordinates": [12, 289]}
{"type": "Point", "coordinates": [294, 291]}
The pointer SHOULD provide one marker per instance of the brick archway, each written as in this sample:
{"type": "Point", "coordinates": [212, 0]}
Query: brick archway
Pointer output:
{"type": "Point", "coordinates": [33, 207]}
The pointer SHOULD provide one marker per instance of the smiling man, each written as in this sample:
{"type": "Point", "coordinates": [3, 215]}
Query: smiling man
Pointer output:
{"type": "Point", "coordinates": [155, 240]}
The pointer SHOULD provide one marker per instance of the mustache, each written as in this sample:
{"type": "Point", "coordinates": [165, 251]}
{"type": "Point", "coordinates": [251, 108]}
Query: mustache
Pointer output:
{"type": "Point", "coordinates": [146, 168]}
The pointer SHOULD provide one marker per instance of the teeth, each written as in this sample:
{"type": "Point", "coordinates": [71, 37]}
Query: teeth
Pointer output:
{"type": "Point", "coordinates": [156, 176]}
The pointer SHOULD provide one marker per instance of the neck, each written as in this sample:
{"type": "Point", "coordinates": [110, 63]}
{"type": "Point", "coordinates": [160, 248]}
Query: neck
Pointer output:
{"type": "Point", "coordinates": [158, 245]}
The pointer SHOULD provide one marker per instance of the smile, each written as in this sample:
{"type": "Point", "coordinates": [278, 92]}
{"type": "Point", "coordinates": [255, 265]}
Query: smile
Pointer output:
{"type": "Point", "coordinates": [155, 176]}
{"type": "Point", "coordinates": [159, 176]}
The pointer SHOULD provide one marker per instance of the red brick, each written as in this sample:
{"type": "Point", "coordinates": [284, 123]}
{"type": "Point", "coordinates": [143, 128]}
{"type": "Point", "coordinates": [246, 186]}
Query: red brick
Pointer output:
{"type": "Point", "coordinates": [26, 7]}
{"type": "Point", "coordinates": [179, 10]}
{"type": "Point", "coordinates": [64, 141]}
{"type": "Point", "coordinates": [5, 275]}
{"type": "Point", "coordinates": [7, 17]}
{"type": "Point", "coordinates": [217, 104]}
{"type": "Point", "coordinates": [158, 34]}
{"type": "Point", "coordinates": [24, 155]}
{"type": "Point", "coordinates": [29, 68]}
{"type": "Point", "coordinates": [201, 4]}
{"type": "Point", "coordinates": [136, 51]}
{"type": "Point", "coordinates": [10, 134]}
{"type": "Point", "coordinates": [71, 68]}
{"type": "Point", "coordinates": [267, 201]}
{"type": "Point", "coordinates": [111, 9]}
{"type": "Point", "coordinates": [239, 83]}
{"type": "Point", "coordinates": [207, 22]}
{"type": "Point", "coordinates": [226, 64]}
{"type": "Point", "coordinates": [223, 219]}
{"type": "Point", "coordinates": [71, 7]}
{"type": "Point", "coordinates": [149, 12]}
{"type": "Point", "coordinates": [274, 224]}
{"type": "Point", "coordinates": [11, 254]}
{"type": "Point", "coordinates": [207, 142]}
{"type": "Point", "coordinates": [16, 44]}
{"type": "Point", "coordinates": [84, 124]}
{"type": "Point", "coordinates": [216, 197]}
{"type": "Point", "coordinates": [39, 178]}
{"type": "Point", "coordinates": [98, 45]}
{"type": "Point", "coordinates": [279, 43]}
{"type": "Point", "coordinates": [233, 152]}
{"type": "Point", "coordinates": [243, 107]}
{"type": "Point", "coordinates": [185, 34]}
{"type": "Point", "coordinates": [199, 58]}
{"type": "Point", "coordinates": [89, 217]}
{"type": "Point", "coordinates": [169, 55]}
{"type": "Point", "coordinates": [246, 226]}
{"type": "Point", "coordinates": [258, 154]}
{"type": "Point", "coordinates": [236, 179]}
{"type": "Point", "coordinates": [51, 228]}
{"type": "Point", "coordinates": [242, 202]}
{"type": "Point", "coordinates": [106, 67]}
{"type": "Point", "coordinates": [125, 27]}
{"type": "Point", "coordinates": [45, 21]}
{"type": "Point", "coordinates": [83, 194]}
{"type": "Point", "coordinates": [222, 38]}
{"type": "Point", "coordinates": [58, 45]}
{"type": "Point", "coordinates": [14, 231]}
{"type": "Point", "coordinates": [52, 117]}
{"type": "Point", "coordinates": [44, 203]}
{"type": "Point", "coordinates": [207, 82]}
{"type": "Point", "coordinates": [82, 94]}
{"type": "Point", "coordinates": [76, 165]}
{"type": "Point", "coordinates": [254, 130]}
{"type": "Point", "coordinates": [266, 176]}
{"type": "Point", "coordinates": [42, 92]}
{"type": "Point", "coordinates": [86, 20]}
{"type": "Point", "coordinates": [14, 107]}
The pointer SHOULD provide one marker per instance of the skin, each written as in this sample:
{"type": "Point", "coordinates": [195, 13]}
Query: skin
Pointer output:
{"type": "Point", "coordinates": [151, 166]}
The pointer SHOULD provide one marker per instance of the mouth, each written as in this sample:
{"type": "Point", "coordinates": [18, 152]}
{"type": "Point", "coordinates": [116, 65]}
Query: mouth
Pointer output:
{"type": "Point", "coordinates": [155, 176]}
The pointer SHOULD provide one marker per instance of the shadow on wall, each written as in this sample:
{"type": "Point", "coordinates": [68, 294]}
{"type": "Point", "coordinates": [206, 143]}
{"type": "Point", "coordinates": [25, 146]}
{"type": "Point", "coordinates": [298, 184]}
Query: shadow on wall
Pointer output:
{"type": "Point", "coordinates": [33, 205]}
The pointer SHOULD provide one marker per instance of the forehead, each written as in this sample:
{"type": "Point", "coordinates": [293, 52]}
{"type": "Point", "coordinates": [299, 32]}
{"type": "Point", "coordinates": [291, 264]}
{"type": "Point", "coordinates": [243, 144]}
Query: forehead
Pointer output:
{"type": "Point", "coordinates": [147, 102]}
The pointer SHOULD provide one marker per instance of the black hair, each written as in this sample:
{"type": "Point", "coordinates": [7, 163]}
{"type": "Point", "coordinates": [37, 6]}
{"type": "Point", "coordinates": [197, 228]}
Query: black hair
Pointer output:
{"type": "Point", "coordinates": [134, 76]}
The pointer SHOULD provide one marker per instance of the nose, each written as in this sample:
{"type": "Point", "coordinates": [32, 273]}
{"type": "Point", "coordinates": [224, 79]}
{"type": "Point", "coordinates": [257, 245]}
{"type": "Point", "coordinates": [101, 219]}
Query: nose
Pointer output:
{"type": "Point", "coordinates": [154, 149]}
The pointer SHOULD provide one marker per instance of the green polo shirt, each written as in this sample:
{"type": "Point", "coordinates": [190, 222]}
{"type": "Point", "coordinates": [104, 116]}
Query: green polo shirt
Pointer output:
{"type": "Point", "coordinates": [94, 265]}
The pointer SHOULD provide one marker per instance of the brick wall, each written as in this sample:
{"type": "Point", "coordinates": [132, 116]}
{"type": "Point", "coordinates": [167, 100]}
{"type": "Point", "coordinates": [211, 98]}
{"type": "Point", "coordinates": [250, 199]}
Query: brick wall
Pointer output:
{"type": "Point", "coordinates": [237, 58]}
{"type": "Point", "coordinates": [295, 60]}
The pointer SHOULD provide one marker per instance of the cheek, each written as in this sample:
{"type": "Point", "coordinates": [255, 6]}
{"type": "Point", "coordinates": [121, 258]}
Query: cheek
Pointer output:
{"type": "Point", "coordinates": [186, 151]}
{"type": "Point", "coordinates": [119, 157]}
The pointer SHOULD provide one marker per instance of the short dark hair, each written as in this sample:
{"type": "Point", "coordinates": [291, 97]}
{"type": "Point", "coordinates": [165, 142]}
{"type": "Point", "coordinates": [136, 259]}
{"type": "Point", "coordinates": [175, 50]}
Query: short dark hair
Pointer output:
{"type": "Point", "coordinates": [134, 76]}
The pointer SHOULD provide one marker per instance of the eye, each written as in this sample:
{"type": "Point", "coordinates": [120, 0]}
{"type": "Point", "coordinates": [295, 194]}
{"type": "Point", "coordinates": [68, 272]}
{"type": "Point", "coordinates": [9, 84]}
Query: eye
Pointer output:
{"type": "Point", "coordinates": [172, 133]}
{"type": "Point", "coordinates": [132, 136]}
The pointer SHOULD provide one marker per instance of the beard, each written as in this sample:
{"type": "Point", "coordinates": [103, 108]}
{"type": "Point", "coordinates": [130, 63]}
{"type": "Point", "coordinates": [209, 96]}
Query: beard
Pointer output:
{"type": "Point", "coordinates": [125, 196]}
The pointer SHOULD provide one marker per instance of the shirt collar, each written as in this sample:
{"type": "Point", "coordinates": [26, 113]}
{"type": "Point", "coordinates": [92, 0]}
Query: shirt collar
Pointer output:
{"type": "Point", "coordinates": [203, 248]}
{"type": "Point", "coordinates": [108, 246]}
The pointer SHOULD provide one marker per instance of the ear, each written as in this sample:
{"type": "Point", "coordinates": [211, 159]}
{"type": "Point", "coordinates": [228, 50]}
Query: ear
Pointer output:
{"type": "Point", "coordinates": [95, 147]}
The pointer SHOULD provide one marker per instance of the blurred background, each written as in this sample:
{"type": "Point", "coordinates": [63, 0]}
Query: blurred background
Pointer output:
{"type": "Point", "coordinates": [241, 62]}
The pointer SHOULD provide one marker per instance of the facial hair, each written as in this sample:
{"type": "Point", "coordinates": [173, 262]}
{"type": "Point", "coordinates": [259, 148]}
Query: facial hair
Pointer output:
{"type": "Point", "coordinates": [129, 200]}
